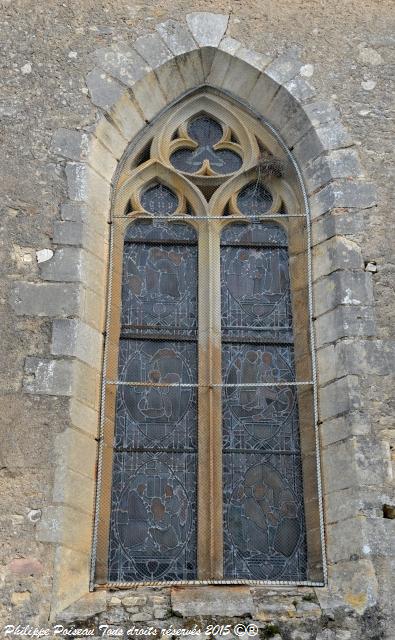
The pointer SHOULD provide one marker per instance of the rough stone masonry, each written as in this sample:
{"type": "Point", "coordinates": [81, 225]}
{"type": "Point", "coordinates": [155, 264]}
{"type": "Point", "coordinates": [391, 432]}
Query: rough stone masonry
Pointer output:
{"type": "Point", "coordinates": [55, 57]}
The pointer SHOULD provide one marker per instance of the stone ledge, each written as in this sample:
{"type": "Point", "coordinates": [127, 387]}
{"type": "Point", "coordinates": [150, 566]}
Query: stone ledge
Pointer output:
{"type": "Point", "coordinates": [212, 600]}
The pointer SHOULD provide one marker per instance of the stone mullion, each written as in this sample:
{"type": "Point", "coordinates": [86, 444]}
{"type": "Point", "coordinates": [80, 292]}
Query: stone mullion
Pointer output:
{"type": "Point", "coordinates": [210, 508]}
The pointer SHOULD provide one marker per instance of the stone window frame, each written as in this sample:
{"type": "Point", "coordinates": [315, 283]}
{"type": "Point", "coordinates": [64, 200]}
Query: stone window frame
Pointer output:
{"type": "Point", "coordinates": [130, 86]}
{"type": "Point", "coordinates": [128, 181]}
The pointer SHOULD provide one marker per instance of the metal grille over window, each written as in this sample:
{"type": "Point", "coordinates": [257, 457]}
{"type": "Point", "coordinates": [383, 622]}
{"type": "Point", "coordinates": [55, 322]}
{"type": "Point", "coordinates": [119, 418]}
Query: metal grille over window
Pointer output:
{"type": "Point", "coordinates": [208, 466]}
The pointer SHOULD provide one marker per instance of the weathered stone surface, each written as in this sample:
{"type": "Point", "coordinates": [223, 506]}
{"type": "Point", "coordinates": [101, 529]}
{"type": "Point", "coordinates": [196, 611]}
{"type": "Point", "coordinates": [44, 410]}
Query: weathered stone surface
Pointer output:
{"type": "Point", "coordinates": [171, 81]}
{"type": "Point", "coordinates": [75, 338]}
{"type": "Point", "coordinates": [49, 299]}
{"type": "Point", "coordinates": [211, 600]}
{"type": "Point", "coordinates": [300, 89]}
{"type": "Point", "coordinates": [331, 135]}
{"type": "Point", "coordinates": [342, 287]}
{"type": "Point", "coordinates": [85, 185]}
{"type": "Point", "coordinates": [85, 607]}
{"type": "Point", "coordinates": [207, 28]}
{"type": "Point", "coordinates": [49, 377]}
{"type": "Point", "coordinates": [344, 427]}
{"type": "Point", "coordinates": [104, 90]}
{"type": "Point", "coordinates": [339, 223]}
{"type": "Point", "coordinates": [283, 68]}
{"type": "Point", "coordinates": [229, 45]}
{"type": "Point", "coordinates": [341, 163]}
{"type": "Point", "coordinates": [344, 194]}
{"type": "Point", "coordinates": [74, 212]}
{"type": "Point", "coordinates": [177, 37]}
{"type": "Point", "coordinates": [340, 396]}
{"type": "Point", "coordinates": [254, 58]}
{"type": "Point", "coordinates": [152, 48]}
{"type": "Point", "coordinates": [336, 253]}
{"type": "Point", "coordinates": [25, 566]}
{"type": "Point", "coordinates": [359, 357]}
{"type": "Point", "coordinates": [123, 63]}
{"type": "Point", "coordinates": [148, 96]}
{"type": "Point", "coordinates": [343, 322]}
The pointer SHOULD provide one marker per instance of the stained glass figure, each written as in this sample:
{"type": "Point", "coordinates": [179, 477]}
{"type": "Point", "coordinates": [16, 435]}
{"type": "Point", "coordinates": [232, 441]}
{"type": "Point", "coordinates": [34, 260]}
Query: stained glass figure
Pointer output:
{"type": "Point", "coordinates": [206, 132]}
{"type": "Point", "coordinates": [264, 531]}
{"type": "Point", "coordinates": [153, 521]}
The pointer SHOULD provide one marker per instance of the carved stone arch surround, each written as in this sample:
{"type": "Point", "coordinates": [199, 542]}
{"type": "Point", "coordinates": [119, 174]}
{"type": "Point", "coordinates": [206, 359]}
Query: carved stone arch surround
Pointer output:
{"type": "Point", "coordinates": [131, 86]}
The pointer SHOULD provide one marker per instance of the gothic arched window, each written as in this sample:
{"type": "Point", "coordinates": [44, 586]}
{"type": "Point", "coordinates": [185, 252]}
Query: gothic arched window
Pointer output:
{"type": "Point", "coordinates": [208, 454]}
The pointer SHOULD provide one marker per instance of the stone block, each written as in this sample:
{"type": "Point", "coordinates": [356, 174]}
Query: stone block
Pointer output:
{"type": "Point", "coordinates": [207, 28]}
{"type": "Point", "coordinates": [357, 583]}
{"type": "Point", "coordinates": [191, 68]}
{"type": "Point", "coordinates": [24, 567]}
{"type": "Point", "coordinates": [275, 610]}
{"type": "Point", "coordinates": [67, 232]}
{"type": "Point", "coordinates": [104, 90]}
{"type": "Point", "coordinates": [283, 68]}
{"type": "Point", "coordinates": [85, 185]}
{"type": "Point", "coordinates": [357, 462]}
{"type": "Point", "coordinates": [75, 338]}
{"type": "Point", "coordinates": [176, 36]}
{"type": "Point", "coordinates": [148, 96]}
{"type": "Point", "coordinates": [94, 237]}
{"type": "Point", "coordinates": [357, 357]}
{"type": "Point", "coordinates": [230, 45]}
{"type": "Point", "coordinates": [344, 427]}
{"type": "Point", "coordinates": [354, 501]}
{"type": "Point", "coordinates": [70, 144]}
{"type": "Point", "coordinates": [334, 254]}
{"type": "Point", "coordinates": [48, 377]}
{"type": "Point", "coordinates": [74, 212]}
{"type": "Point", "coordinates": [110, 137]}
{"type": "Point", "coordinates": [84, 417]}
{"type": "Point", "coordinates": [254, 58]}
{"type": "Point", "coordinates": [340, 397]}
{"type": "Point", "coordinates": [86, 384]}
{"type": "Point", "coordinates": [263, 92]}
{"type": "Point", "coordinates": [340, 163]}
{"type": "Point", "coordinates": [127, 117]}
{"type": "Point", "coordinates": [344, 322]}
{"type": "Point", "coordinates": [64, 266]}
{"type": "Point", "coordinates": [340, 222]}
{"type": "Point", "coordinates": [342, 288]}
{"type": "Point", "coordinates": [84, 608]}
{"type": "Point", "coordinates": [170, 80]}
{"type": "Point", "coordinates": [299, 89]}
{"type": "Point", "coordinates": [152, 49]}
{"type": "Point", "coordinates": [212, 601]}
{"type": "Point", "coordinates": [331, 135]}
{"type": "Point", "coordinates": [321, 112]}
{"type": "Point", "coordinates": [66, 526]}
{"type": "Point", "coordinates": [74, 489]}
{"type": "Point", "coordinates": [343, 194]}
{"type": "Point", "coordinates": [46, 299]}
{"type": "Point", "coordinates": [221, 63]}
{"type": "Point", "coordinates": [285, 111]}
{"type": "Point", "coordinates": [240, 78]}
{"type": "Point", "coordinates": [77, 452]}
{"type": "Point", "coordinates": [207, 55]}
{"type": "Point", "coordinates": [123, 63]}
{"type": "Point", "coordinates": [93, 308]}
{"type": "Point", "coordinates": [71, 579]}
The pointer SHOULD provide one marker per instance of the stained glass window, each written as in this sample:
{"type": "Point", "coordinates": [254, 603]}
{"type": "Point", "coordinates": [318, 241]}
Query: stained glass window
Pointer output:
{"type": "Point", "coordinates": [207, 405]}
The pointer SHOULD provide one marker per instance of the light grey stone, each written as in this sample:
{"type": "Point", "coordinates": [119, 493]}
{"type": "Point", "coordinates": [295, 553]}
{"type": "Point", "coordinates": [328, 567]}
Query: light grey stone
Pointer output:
{"type": "Point", "coordinates": [230, 45]}
{"type": "Point", "coordinates": [74, 212]}
{"type": "Point", "coordinates": [48, 377]}
{"type": "Point", "coordinates": [191, 68]}
{"type": "Point", "coordinates": [283, 68]}
{"type": "Point", "coordinates": [170, 80]}
{"type": "Point", "coordinates": [110, 137]}
{"type": "Point", "coordinates": [70, 144]}
{"type": "Point", "coordinates": [328, 136]}
{"type": "Point", "coordinates": [65, 266]}
{"type": "Point", "coordinates": [344, 321]}
{"type": "Point", "coordinates": [68, 232]}
{"type": "Point", "coordinates": [211, 601]}
{"type": "Point", "coordinates": [339, 397]}
{"type": "Point", "coordinates": [45, 299]}
{"type": "Point", "coordinates": [104, 90]}
{"type": "Point", "coordinates": [149, 97]}
{"type": "Point", "coordinates": [263, 92]}
{"type": "Point", "coordinates": [336, 253]}
{"type": "Point", "coordinates": [321, 112]}
{"type": "Point", "coordinates": [256, 59]}
{"type": "Point", "coordinates": [359, 357]}
{"type": "Point", "coordinates": [344, 427]}
{"type": "Point", "coordinates": [343, 194]}
{"type": "Point", "coordinates": [84, 608]}
{"type": "Point", "coordinates": [219, 68]}
{"type": "Point", "coordinates": [286, 114]}
{"type": "Point", "coordinates": [338, 223]}
{"type": "Point", "coordinates": [75, 338]}
{"type": "Point", "coordinates": [42, 255]}
{"type": "Point", "coordinates": [340, 163]}
{"type": "Point", "coordinates": [152, 48]}
{"type": "Point", "coordinates": [342, 288]}
{"type": "Point", "coordinates": [176, 36]}
{"type": "Point", "coordinates": [300, 89]}
{"type": "Point", "coordinates": [85, 185]}
{"type": "Point", "coordinates": [207, 28]}
{"type": "Point", "coordinates": [240, 78]}
{"type": "Point", "coordinates": [123, 63]}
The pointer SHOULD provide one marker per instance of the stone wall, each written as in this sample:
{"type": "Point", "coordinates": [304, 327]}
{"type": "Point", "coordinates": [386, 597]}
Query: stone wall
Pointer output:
{"type": "Point", "coordinates": [51, 86]}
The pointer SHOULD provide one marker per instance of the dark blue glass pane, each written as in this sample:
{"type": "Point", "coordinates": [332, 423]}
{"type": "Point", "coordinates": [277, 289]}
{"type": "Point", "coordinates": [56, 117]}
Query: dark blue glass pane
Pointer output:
{"type": "Point", "coordinates": [153, 521]}
{"type": "Point", "coordinates": [206, 132]}
{"type": "Point", "coordinates": [254, 234]}
{"type": "Point", "coordinates": [160, 230]}
{"type": "Point", "coordinates": [254, 199]}
{"type": "Point", "coordinates": [159, 199]}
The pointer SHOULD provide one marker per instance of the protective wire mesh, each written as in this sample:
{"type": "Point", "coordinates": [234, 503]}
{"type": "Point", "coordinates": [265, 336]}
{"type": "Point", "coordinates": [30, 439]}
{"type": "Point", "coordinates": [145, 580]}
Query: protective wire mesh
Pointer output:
{"type": "Point", "coordinates": [155, 388]}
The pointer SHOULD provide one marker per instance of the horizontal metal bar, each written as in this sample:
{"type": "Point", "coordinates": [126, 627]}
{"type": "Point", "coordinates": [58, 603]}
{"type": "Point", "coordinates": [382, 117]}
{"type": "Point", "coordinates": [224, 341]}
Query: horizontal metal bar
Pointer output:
{"type": "Point", "coordinates": [208, 385]}
{"type": "Point", "coordinates": [161, 337]}
{"type": "Point", "coordinates": [220, 218]}
{"type": "Point", "coordinates": [167, 242]}
{"type": "Point", "coordinates": [152, 450]}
